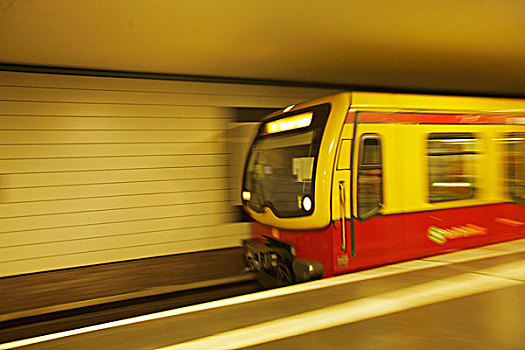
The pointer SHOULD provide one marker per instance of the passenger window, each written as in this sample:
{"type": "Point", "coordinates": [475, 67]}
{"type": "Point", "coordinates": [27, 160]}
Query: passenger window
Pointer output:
{"type": "Point", "coordinates": [370, 175]}
{"type": "Point", "coordinates": [515, 164]}
{"type": "Point", "coordinates": [452, 161]}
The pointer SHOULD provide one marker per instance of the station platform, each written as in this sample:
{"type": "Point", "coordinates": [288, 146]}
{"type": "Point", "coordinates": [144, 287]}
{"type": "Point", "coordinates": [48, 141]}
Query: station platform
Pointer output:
{"type": "Point", "coordinates": [472, 299]}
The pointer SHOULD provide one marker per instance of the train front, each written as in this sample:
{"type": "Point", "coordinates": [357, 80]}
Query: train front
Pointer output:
{"type": "Point", "coordinates": [287, 191]}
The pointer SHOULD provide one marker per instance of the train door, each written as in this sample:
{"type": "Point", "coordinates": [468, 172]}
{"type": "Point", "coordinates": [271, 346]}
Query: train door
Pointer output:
{"type": "Point", "coordinates": [341, 238]}
{"type": "Point", "coordinates": [376, 235]}
{"type": "Point", "coordinates": [515, 169]}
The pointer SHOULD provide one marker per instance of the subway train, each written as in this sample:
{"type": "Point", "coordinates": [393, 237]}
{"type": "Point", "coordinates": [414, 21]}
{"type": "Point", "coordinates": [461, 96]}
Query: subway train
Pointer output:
{"type": "Point", "coordinates": [360, 179]}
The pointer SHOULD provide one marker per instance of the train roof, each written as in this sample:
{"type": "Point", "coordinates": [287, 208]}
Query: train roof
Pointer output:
{"type": "Point", "coordinates": [394, 102]}
{"type": "Point", "coordinates": [450, 104]}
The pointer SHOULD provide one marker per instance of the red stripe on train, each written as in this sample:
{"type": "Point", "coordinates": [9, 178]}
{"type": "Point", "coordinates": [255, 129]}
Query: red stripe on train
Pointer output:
{"type": "Point", "coordinates": [420, 118]}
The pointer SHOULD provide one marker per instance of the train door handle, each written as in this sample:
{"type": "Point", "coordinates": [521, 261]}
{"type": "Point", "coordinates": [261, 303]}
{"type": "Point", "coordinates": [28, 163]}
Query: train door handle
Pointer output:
{"type": "Point", "coordinates": [342, 206]}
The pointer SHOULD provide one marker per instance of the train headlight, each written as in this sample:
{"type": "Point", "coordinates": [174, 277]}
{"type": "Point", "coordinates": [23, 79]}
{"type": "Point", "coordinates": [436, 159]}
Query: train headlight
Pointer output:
{"type": "Point", "coordinates": [246, 195]}
{"type": "Point", "coordinates": [307, 203]}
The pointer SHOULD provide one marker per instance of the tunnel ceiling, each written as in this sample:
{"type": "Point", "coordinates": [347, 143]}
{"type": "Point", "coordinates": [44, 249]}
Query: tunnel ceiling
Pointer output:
{"type": "Point", "coordinates": [469, 46]}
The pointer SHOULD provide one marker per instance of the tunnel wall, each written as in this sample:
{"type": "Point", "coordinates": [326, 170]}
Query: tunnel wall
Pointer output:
{"type": "Point", "coordinates": [98, 169]}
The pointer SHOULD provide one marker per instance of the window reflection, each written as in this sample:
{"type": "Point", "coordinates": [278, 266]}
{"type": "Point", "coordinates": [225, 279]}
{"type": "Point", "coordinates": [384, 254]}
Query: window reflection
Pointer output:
{"type": "Point", "coordinates": [280, 172]}
{"type": "Point", "coordinates": [370, 175]}
{"type": "Point", "coordinates": [515, 164]}
{"type": "Point", "coordinates": [452, 160]}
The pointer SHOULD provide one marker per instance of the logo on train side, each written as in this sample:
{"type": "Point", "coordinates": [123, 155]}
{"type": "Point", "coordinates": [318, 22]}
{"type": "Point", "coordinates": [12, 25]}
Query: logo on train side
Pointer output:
{"type": "Point", "coordinates": [440, 235]}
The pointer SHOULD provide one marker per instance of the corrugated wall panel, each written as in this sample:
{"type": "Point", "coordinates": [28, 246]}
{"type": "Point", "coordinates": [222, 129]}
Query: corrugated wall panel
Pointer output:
{"type": "Point", "coordinates": [90, 204]}
{"type": "Point", "coordinates": [111, 176]}
{"type": "Point", "coordinates": [61, 259]}
{"type": "Point", "coordinates": [18, 224]}
{"type": "Point", "coordinates": [94, 170]}
{"type": "Point", "coordinates": [22, 108]}
{"type": "Point", "coordinates": [110, 190]}
{"type": "Point", "coordinates": [58, 164]}
{"type": "Point", "coordinates": [105, 123]}
{"type": "Point", "coordinates": [101, 236]}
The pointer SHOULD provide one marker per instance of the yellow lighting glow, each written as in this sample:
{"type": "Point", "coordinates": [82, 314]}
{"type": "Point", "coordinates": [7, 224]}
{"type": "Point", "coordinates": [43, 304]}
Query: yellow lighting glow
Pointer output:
{"type": "Point", "coordinates": [246, 195]}
{"type": "Point", "coordinates": [452, 184]}
{"type": "Point", "coordinates": [457, 140]}
{"type": "Point", "coordinates": [511, 139]}
{"type": "Point", "coordinates": [289, 108]}
{"type": "Point", "coordinates": [289, 123]}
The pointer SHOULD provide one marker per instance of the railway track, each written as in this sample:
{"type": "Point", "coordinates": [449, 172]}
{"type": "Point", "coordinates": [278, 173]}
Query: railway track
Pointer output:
{"type": "Point", "coordinates": [37, 322]}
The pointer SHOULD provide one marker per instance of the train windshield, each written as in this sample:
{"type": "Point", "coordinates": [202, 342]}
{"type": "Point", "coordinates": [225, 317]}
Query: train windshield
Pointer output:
{"type": "Point", "coordinates": [280, 172]}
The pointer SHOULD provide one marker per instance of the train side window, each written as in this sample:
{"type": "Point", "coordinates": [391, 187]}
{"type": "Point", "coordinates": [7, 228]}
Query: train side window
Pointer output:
{"type": "Point", "coordinates": [369, 175]}
{"type": "Point", "coordinates": [452, 161]}
{"type": "Point", "coordinates": [515, 164]}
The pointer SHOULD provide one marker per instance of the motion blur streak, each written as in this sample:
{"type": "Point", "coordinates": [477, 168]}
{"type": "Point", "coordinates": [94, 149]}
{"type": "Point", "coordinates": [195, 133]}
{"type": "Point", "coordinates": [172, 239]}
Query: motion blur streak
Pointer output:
{"type": "Point", "coordinates": [480, 281]}
{"type": "Point", "coordinates": [389, 270]}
